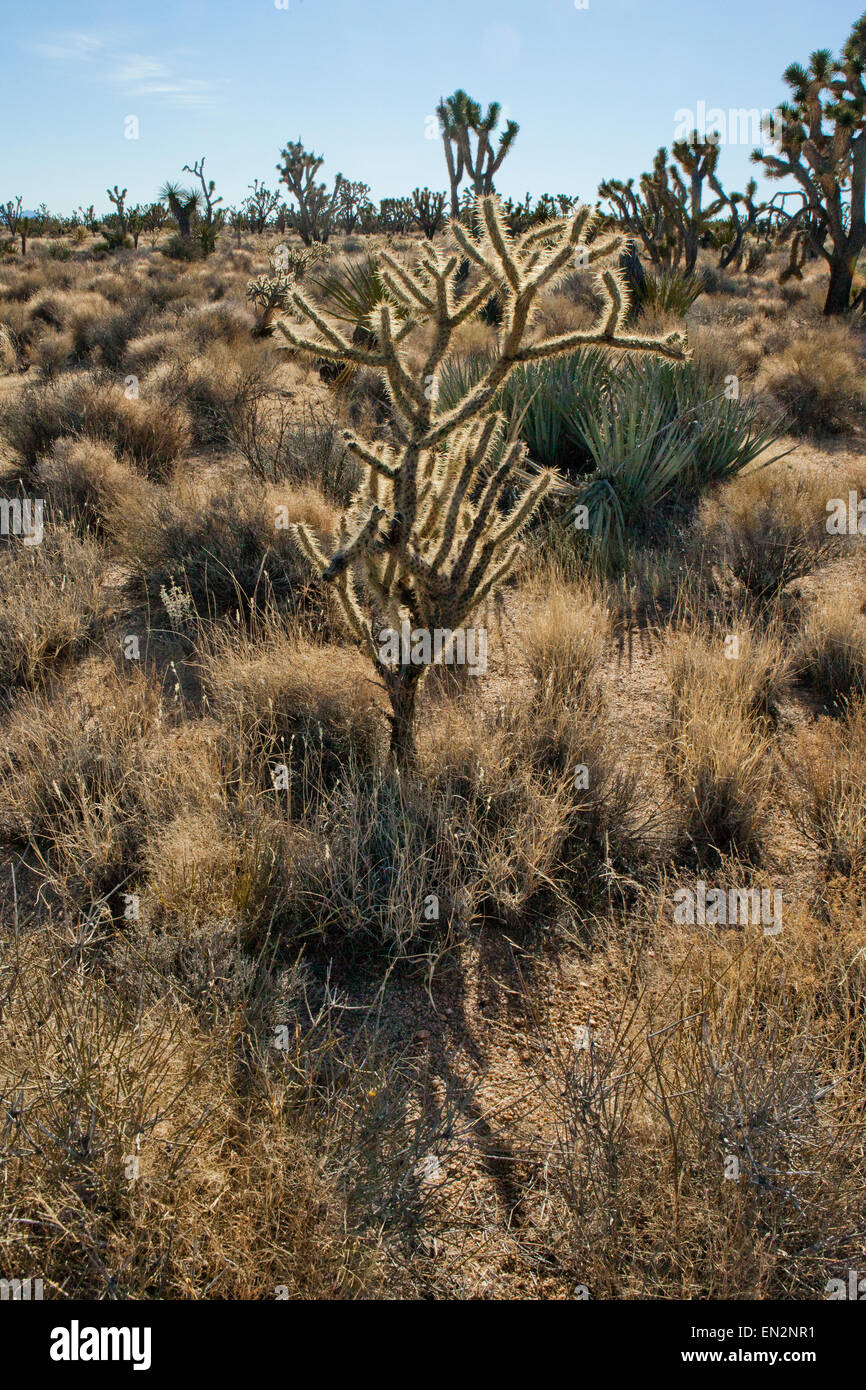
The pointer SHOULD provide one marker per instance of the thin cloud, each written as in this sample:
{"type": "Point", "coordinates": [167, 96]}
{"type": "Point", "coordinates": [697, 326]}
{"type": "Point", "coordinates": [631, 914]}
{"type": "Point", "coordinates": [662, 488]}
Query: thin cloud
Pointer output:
{"type": "Point", "coordinates": [68, 47]}
{"type": "Point", "coordinates": [136, 74]}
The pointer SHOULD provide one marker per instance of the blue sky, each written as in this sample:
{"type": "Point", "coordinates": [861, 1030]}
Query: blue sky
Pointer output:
{"type": "Point", "coordinates": [595, 90]}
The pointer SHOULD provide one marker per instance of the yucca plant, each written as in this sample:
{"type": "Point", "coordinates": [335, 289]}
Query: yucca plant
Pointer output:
{"type": "Point", "coordinates": [669, 291]}
{"type": "Point", "coordinates": [653, 433]}
{"type": "Point", "coordinates": [548, 401]}
{"type": "Point", "coordinates": [639, 457]}
{"type": "Point", "coordinates": [541, 401]}
{"type": "Point", "coordinates": [458, 375]}
{"type": "Point", "coordinates": [351, 294]}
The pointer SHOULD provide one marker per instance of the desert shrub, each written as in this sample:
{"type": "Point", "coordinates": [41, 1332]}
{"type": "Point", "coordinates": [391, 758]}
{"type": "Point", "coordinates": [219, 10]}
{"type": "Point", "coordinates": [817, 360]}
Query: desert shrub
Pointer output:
{"type": "Point", "coordinates": [219, 322]}
{"type": "Point", "coordinates": [540, 796]}
{"type": "Point", "coordinates": [564, 643]}
{"type": "Point", "coordinates": [754, 679]}
{"type": "Point", "coordinates": [75, 309]}
{"type": "Point", "coordinates": [102, 1077]}
{"type": "Point", "coordinates": [146, 430]}
{"type": "Point", "coordinates": [50, 603]}
{"type": "Point", "coordinates": [285, 701]}
{"type": "Point", "coordinates": [719, 740]}
{"type": "Point", "coordinates": [94, 774]}
{"type": "Point", "coordinates": [224, 545]}
{"type": "Point", "coordinates": [259, 420]}
{"type": "Point", "coordinates": [215, 385]}
{"type": "Point", "coordinates": [818, 380]}
{"type": "Point", "coordinates": [830, 801]}
{"type": "Point", "coordinates": [831, 653]}
{"type": "Point", "coordinates": [85, 483]}
{"type": "Point", "coordinates": [662, 1078]}
{"type": "Point", "coordinates": [178, 249]}
{"type": "Point", "coordinates": [104, 341]}
{"type": "Point", "coordinates": [389, 848]}
{"type": "Point", "coordinates": [765, 529]}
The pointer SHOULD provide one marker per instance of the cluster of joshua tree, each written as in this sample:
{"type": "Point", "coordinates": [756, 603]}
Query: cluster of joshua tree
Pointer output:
{"type": "Point", "coordinates": [673, 210]}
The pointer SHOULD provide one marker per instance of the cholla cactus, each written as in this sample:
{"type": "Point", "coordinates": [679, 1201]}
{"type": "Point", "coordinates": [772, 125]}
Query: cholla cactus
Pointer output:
{"type": "Point", "coordinates": [426, 533]}
{"type": "Point", "coordinates": [668, 213]}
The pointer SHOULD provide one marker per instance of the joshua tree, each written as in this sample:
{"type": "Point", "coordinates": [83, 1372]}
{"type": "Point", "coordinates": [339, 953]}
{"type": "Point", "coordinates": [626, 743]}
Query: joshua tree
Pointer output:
{"type": "Point", "coordinates": [260, 205]}
{"type": "Point", "coordinates": [211, 219]}
{"type": "Point", "coordinates": [698, 159]}
{"type": "Point", "coordinates": [427, 533]}
{"type": "Point", "coordinates": [395, 214]}
{"type": "Point", "coordinates": [668, 215]}
{"type": "Point", "coordinates": [351, 199]}
{"type": "Point", "coordinates": [731, 252]}
{"type": "Point", "coordinates": [183, 205]}
{"type": "Point", "coordinates": [240, 220]}
{"type": "Point", "coordinates": [315, 204]}
{"type": "Point", "coordinates": [645, 213]}
{"type": "Point", "coordinates": [521, 216]}
{"type": "Point", "coordinates": [10, 215]}
{"type": "Point", "coordinates": [822, 144]}
{"type": "Point", "coordinates": [459, 119]}
{"type": "Point", "coordinates": [428, 210]}
{"type": "Point", "coordinates": [155, 217]}
{"type": "Point", "coordinates": [136, 223]}
{"type": "Point", "coordinates": [119, 199]}
{"type": "Point", "coordinates": [88, 218]}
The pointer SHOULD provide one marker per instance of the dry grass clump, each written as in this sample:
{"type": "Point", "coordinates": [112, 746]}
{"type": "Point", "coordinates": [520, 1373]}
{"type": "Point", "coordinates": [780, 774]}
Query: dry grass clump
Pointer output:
{"type": "Point", "coordinates": [545, 801]}
{"type": "Point", "coordinates": [831, 653]}
{"type": "Point", "coordinates": [88, 776]}
{"type": "Point", "coordinates": [380, 871]}
{"type": "Point", "coordinates": [50, 603]}
{"type": "Point", "coordinates": [284, 701]}
{"type": "Point", "coordinates": [818, 379]}
{"type": "Point", "coordinates": [226, 543]}
{"type": "Point", "coordinates": [764, 530]}
{"type": "Point", "coordinates": [564, 642]}
{"type": "Point", "coordinates": [828, 762]}
{"type": "Point", "coordinates": [147, 430]}
{"type": "Point", "coordinates": [8, 349]}
{"type": "Point", "coordinates": [753, 679]}
{"type": "Point", "coordinates": [85, 483]}
{"type": "Point", "coordinates": [719, 750]}
{"type": "Point", "coordinates": [213, 383]}
{"type": "Point", "coordinates": [706, 1137]}
{"type": "Point", "coordinates": [165, 1166]}
{"type": "Point", "coordinates": [73, 309]}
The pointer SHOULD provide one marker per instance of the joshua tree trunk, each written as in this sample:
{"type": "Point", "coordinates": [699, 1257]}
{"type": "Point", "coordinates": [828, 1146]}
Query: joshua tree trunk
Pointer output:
{"type": "Point", "coordinates": [839, 290]}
